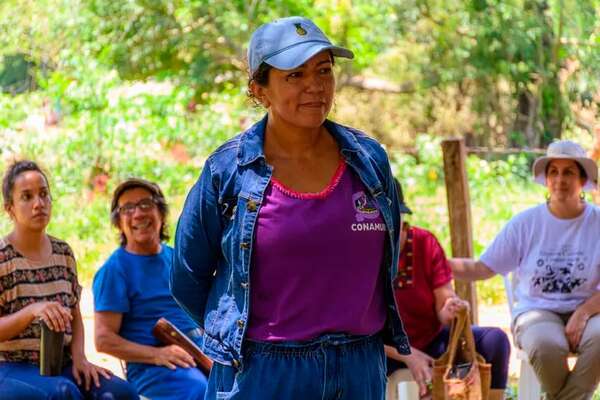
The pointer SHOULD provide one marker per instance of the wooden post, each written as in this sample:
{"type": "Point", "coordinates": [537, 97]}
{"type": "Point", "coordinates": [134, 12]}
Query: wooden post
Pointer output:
{"type": "Point", "coordinates": [459, 213]}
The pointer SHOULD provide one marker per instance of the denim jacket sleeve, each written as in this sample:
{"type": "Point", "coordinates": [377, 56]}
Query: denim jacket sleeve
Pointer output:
{"type": "Point", "coordinates": [196, 251]}
{"type": "Point", "coordinates": [399, 338]}
{"type": "Point", "coordinates": [396, 328]}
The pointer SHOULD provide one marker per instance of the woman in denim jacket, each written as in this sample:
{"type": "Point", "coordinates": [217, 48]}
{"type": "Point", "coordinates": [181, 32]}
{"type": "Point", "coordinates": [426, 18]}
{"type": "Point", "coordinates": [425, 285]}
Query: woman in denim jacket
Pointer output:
{"type": "Point", "coordinates": [287, 243]}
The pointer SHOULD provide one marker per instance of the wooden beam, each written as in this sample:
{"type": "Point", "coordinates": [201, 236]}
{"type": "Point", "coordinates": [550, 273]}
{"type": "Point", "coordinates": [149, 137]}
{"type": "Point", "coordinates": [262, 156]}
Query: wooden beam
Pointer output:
{"type": "Point", "coordinates": [459, 213]}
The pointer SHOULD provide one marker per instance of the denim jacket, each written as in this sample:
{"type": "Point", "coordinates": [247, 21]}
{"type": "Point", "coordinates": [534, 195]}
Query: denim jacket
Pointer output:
{"type": "Point", "coordinates": [214, 239]}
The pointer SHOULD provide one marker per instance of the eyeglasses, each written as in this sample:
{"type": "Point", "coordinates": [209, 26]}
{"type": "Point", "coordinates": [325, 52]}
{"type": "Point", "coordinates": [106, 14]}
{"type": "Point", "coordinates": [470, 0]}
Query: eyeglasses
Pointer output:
{"type": "Point", "coordinates": [144, 205]}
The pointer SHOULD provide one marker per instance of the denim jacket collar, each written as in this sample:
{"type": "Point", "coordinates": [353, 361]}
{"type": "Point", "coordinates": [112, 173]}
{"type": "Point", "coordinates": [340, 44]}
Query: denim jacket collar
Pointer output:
{"type": "Point", "coordinates": [251, 142]}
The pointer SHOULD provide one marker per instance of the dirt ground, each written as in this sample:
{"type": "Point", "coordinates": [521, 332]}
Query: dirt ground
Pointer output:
{"type": "Point", "coordinates": [102, 359]}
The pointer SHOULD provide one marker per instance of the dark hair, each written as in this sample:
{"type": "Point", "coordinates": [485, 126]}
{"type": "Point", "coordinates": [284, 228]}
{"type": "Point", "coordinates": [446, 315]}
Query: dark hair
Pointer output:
{"type": "Point", "coordinates": [261, 77]}
{"type": "Point", "coordinates": [10, 176]}
{"type": "Point", "coordinates": [157, 196]}
{"type": "Point", "coordinates": [582, 172]}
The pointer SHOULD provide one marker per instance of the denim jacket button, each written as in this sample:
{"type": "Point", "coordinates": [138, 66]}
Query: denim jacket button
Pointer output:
{"type": "Point", "coordinates": [251, 206]}
{"type": "Point", "coordinates": [240, 323]}
{"type": "Point", "coordinates": [244, 245]}
{"type": "Point", "coordinates": [244, 285]}
{"type": "Point", "coordinates": [235, 363]}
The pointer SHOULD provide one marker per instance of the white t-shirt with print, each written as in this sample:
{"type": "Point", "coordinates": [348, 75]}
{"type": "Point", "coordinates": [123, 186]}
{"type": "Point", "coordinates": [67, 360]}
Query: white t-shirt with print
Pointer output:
{"type": "Point", "coordinates": [556, 261]}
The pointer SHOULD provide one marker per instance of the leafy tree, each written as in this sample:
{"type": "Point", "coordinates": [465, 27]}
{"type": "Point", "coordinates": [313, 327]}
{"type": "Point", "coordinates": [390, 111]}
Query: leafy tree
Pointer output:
{"type": "Point", "coordinates": [517, 66]}
{"type": "Point", "coordinates": [515, 50]}
{"type": "Point", "coordinates": [203, 42]}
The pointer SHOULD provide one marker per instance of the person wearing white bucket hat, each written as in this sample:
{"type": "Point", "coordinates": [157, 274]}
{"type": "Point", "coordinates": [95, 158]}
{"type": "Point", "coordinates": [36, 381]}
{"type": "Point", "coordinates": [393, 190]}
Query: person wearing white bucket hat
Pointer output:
{"type": "Point", "coordinates": [287, 245]}
{"type": "Point", "coordinates": [568, 150]}
{"type": "Point", "coordinates": [554, 257]}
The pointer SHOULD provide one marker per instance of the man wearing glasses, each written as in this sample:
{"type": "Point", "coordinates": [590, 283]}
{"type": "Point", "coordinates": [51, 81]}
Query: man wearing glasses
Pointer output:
{"type": "Point", "coordinates": [131, 292]}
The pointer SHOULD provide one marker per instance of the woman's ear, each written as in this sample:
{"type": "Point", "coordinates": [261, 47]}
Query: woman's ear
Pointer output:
{"type": "Point", "coordinates": [9, 210]}
{"type": "Point", "coordinates": [259, 93]}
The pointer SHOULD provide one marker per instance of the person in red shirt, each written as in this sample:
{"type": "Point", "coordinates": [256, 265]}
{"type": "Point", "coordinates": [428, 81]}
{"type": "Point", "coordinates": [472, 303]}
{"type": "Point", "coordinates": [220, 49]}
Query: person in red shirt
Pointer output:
{"type": "Point", "coordinates": [427, 304]}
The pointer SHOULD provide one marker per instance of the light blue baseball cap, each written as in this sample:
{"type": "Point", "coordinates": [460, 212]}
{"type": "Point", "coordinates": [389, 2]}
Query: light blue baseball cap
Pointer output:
{"type": "Point", "coordinates": [287, 43]}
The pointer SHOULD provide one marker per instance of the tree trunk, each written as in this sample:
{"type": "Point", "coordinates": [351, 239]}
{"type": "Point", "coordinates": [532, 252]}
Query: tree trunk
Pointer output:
{"type": "Point", "coordinates": [524, 132]}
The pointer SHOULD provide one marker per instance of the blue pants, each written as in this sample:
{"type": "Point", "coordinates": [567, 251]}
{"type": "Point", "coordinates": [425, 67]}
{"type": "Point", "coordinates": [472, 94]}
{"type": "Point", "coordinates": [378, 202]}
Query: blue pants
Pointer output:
{"type": "Point", "coordinates": [17, 390]}
{"type": "Point", "coordinates": [20, 380]}
{"type": "Point", "coordinates": [331, 367]}
{"type": "Point", "coordinates": [162, 383]}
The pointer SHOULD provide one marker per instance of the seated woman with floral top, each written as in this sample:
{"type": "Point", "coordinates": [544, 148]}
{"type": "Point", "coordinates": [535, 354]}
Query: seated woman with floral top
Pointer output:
{"type": "Point", "coordinates": [38, 282]}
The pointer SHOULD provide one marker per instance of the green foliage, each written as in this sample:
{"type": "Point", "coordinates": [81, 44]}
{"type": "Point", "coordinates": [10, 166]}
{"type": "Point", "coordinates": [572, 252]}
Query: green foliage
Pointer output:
{"type": "Point", "coordinates": [517, 66]}
{"type": "Point", "coordinates": [16, 74]}
{"type": "Point", "coordinates": [515, 63]}
{"type": "Point", "coordinates": [203, 43]}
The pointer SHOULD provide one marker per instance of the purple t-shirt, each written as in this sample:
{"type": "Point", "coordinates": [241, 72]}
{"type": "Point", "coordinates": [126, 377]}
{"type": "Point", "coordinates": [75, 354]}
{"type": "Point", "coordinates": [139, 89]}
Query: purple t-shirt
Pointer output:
{"type": "Point", "coordinates": [316, 265]}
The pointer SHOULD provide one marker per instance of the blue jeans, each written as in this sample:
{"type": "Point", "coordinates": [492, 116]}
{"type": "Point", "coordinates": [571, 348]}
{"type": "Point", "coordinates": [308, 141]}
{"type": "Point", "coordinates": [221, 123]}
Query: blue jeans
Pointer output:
{"type": "Point", "coordinates": [17, 390]}
{"type": "Point", "coordinates": [334, 366]}
{"type": "Point", "coordinates": [20, 380]}
{"type": "Point", "coordinates": [161, 383]}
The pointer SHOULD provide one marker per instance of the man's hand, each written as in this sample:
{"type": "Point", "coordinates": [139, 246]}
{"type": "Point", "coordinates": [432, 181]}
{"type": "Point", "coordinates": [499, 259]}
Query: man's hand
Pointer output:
{"type": "Point", "coordinates": [173, 356]}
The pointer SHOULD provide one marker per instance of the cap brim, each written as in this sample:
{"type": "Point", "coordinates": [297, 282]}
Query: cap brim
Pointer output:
{"type": "Point", "coordinates": [404, 209]}
{"type": "Point", "coordinates": [295, 56]}
{"type": "Point", "coordinates": [589, 165]}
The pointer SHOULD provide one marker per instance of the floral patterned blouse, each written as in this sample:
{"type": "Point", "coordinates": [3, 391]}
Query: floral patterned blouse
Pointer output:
{"type": "Point", "coordinates": [23, 282]}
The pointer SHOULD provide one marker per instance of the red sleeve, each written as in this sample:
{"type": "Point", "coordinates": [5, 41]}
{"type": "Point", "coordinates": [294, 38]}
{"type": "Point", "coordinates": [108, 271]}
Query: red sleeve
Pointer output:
{"type": "Point", "coordinates": [438, 269]}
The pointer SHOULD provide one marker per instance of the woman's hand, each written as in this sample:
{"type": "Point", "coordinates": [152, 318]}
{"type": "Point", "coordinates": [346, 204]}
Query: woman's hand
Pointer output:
{"type": "Point", "coordinates": [85, 372]}
{"type": "Point", "coordinates": [574, 328]}
{"type": "Point", "coordinates": [420, 366]}
{"type": "Point", "coordinates": [57, 317]}
{"type": "Point", "coordinates": [173, 356]}
{"type": "Point", "coordinates": [450, 309]}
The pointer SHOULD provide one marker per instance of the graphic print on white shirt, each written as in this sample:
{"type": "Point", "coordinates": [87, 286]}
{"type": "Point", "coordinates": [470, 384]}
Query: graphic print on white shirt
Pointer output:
{"type": "Point", "coordinates": [559, 271]}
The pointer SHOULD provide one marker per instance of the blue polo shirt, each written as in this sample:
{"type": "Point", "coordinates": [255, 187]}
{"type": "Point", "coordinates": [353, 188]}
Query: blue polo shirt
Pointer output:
{"type": "Point", "coordinates": [138, 287]}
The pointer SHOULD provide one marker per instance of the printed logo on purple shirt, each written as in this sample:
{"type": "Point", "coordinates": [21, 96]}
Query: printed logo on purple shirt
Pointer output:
{"type": "Point", "coordinates": [365, 210]}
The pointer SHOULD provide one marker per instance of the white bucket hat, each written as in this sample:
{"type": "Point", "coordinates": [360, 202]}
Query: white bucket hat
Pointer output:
{"type": "Point", "coordinates": [566, 149]}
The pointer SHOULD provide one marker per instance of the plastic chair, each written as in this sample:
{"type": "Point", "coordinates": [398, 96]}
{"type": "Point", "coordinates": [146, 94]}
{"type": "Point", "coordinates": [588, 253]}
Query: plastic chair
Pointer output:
{"type": "Point", "coordinates": [401, 386]}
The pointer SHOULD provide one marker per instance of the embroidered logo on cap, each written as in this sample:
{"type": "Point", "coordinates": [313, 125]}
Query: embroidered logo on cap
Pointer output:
{"type": "Point", "coordinates": [300, 30]}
